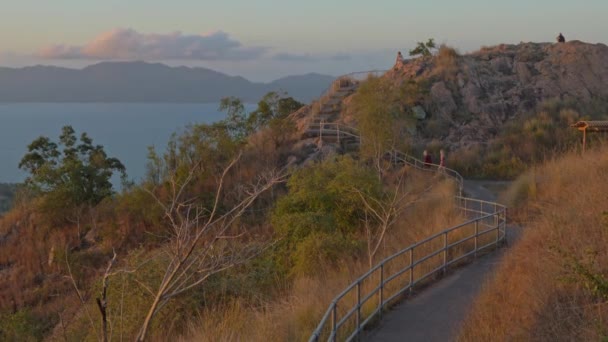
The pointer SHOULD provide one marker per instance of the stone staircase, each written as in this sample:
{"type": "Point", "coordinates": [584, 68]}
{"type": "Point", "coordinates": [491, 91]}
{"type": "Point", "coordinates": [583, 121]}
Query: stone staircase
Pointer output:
{"type": "Point", "coordinates": [347, 138]}
{"type": "Point", "coordinates": [323, 125]}
{"type": "Point", "coordinates": [331, 104]}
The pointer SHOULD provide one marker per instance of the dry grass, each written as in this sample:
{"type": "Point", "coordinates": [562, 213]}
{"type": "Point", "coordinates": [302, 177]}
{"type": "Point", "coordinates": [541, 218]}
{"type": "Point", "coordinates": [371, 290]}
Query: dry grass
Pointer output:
{"type": "Point", "coordinates": [447, 63]}
{"type": "Point", "coordinates": [295, 314]}
{"type": "Point", "coordinates": [544, 289]}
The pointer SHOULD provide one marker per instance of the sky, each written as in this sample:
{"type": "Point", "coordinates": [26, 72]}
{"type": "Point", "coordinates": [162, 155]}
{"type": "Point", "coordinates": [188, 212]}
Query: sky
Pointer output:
{"type": "Point", "coordinates": [266, 39]}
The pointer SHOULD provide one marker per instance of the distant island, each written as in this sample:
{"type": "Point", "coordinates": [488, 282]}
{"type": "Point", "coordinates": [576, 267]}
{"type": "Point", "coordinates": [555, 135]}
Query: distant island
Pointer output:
{"type": "Point", "coordinates": [145, 82]}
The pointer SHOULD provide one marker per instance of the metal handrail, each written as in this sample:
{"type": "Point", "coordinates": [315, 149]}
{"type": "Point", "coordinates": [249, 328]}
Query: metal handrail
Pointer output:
{"type": "Point", "coordinates": [480, 211]}
{"type": "Point", "coordinates": [395, 155]}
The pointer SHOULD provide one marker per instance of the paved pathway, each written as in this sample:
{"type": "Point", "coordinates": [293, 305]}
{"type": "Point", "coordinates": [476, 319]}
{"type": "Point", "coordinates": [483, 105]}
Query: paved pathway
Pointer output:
{"type": "Point", "coordinates": [436, 313]}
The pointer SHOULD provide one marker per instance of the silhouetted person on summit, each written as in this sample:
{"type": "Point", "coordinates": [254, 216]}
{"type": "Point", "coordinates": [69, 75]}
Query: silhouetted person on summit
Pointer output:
{"type": "Point", "coordinates": [560, 38]}
{"type": "Point", "coordinates": [399, 58]}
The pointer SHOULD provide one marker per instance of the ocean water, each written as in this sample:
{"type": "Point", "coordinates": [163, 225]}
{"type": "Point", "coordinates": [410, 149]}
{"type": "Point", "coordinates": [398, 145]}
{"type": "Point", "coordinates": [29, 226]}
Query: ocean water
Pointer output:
{"type": "Point", "coordinates": [124, 129]}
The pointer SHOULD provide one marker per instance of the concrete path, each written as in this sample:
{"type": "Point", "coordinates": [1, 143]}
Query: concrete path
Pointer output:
{"type": "Point", "coordinates": [436, 313]}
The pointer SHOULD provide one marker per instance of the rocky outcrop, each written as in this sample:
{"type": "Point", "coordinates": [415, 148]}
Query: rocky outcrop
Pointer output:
{"type": "Point", "coordinates": [470, 97]}
{"type": "Point", "coordinates": [478, 92]}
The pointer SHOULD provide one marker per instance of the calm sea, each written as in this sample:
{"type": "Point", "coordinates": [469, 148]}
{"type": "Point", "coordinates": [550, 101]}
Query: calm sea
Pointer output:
{"type": "Point", "coordinates": [125, 130]}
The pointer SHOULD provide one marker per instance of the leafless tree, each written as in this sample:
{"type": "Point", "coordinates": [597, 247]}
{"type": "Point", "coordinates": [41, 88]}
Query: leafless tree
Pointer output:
{"type": "Point", "coordinates": [385, 211]}
{"type": "Point", "coordinates": [102, 302]}
{"type": "Point", "coordinates": [203, 242]}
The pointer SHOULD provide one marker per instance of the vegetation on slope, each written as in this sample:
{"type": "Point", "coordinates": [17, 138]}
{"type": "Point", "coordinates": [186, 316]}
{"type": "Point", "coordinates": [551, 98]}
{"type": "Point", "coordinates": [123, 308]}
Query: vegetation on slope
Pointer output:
{"type": "Point", "coordinates": [531, 139]}
{"type": "Point", "coordinates": [553, 284]}
{"type": "Point", "coordinates": [7, 194]}
{"type": "Point", "coordinates": [121, 265]}
{"type": "Point", "coordinates": [57, 241]}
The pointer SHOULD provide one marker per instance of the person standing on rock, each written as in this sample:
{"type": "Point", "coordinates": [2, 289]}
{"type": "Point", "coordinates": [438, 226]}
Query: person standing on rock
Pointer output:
{"type": "Point", "coordinates": [399, 58]}
{"type": "Point", "coordinates": [428, 160]}
{"type": "Point", "coordinates": [441, 160]}
{"type": "Point", "coordinates": [560, 38]}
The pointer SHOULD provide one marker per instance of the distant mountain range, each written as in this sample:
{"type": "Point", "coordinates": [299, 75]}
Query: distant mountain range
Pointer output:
{"type": "Point", "coordinates": [145, 82]}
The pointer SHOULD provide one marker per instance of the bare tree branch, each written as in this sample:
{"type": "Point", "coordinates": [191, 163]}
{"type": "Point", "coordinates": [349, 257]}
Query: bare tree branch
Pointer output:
{"type": "Point", "coordinates": [102, 302]}
{"type": "Point", "coordinates": [385, 211]}
{"type": "Point", "coordinates": [200, 240]}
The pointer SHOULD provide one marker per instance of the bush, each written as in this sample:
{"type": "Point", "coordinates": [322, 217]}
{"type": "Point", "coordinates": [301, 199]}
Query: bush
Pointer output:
{"type": "Point", "coordinates": [318, 251]}
{"type": "Point", "coordinates": [22, 326]}
{"type": "Point", "coordinates": [447, 62]}
{"type": "Point", "coordinates": [321, 202]}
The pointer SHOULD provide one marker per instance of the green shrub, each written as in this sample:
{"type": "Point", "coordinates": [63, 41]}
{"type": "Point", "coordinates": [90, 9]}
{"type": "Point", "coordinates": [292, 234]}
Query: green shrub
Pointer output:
{"type": "Point", "coordinates": [22, 326]}
{"type": "Point", "coordinates": [322, 201]}
{"type": "Point", "coordinates": [321, 250]}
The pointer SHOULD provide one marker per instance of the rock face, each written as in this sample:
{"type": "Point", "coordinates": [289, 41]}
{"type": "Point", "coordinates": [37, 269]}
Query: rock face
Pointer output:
{"type": "Point", "coordinates": [478, 92]}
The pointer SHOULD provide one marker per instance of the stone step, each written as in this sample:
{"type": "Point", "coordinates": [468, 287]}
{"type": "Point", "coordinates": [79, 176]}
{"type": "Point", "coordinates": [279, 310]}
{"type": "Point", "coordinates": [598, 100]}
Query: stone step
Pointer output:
{"type": "Point", "coordinates": [326, 117]}
{"type": "Point", "coordinates": [333, 101]}
{"type": "Point", "coordinates": [350, 88]}
{"type": "Point", "coordinates": [341, 94]}
{"type": "Point", "coordinates": [333, 114]}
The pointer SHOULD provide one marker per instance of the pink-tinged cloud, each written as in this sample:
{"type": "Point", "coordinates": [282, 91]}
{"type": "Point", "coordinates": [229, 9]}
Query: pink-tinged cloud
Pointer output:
{"type": "Point", "coordinates": [130, 44]}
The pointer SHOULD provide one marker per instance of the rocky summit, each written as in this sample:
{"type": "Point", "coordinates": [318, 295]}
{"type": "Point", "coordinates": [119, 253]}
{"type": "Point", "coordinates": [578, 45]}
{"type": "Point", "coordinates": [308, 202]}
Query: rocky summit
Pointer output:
{"type": "Point", "coordinates": [478, 92]}
{"type": "Point", "coordinates": [470, 97]}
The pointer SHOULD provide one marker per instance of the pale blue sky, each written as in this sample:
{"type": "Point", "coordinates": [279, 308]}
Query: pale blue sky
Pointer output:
{"type": "Point", "coordinates": [288, 37]}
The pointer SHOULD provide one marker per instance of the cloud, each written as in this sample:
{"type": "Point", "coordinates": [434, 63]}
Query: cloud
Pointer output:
{"type": "Point", "coordinates": [130, 44]}
{"type": "Point", "coordinates": [291, 57]}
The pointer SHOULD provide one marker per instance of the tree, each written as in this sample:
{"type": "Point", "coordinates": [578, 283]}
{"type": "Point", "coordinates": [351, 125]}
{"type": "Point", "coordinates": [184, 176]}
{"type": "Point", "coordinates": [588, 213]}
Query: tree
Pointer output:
{"type": "Point", "coordinates": [202, 240]}
{"type": "Point", "coordinates": [321, 204]}
{"type": "Point", "coordinates": [379, 107]}
{"type": "Point", "coordinates": [272, 108]}
{"type": "Point", "coordinates": [68, 174]}
{"type": "Point", "coordinates": [236, 121]}
{"type": "Point", "coordinates": [424, 49]}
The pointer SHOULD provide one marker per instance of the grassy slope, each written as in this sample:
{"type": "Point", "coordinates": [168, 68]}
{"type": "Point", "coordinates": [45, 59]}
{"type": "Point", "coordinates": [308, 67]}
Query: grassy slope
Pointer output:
{"type": "Point", "coordinates": [295, 314]}
{"type": "Point", "coordinates": [552, 285]}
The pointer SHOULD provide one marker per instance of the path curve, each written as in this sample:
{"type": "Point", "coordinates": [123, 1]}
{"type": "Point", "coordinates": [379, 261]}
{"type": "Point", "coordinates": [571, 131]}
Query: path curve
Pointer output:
{"type": "Point", "coordinates": [437, 312]}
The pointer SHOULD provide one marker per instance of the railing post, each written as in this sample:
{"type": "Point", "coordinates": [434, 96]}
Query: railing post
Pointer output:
{"type": "Point", "coordinates": [338, 129]}
{"type": "Point", "coordinates": [333, 322]}
{"type": "Point", "coordinates": [411, 270]}
{"type": "Point", "coordinates": [497, 229]}
{"type": "Point", "coordinates": [504, 223]}
{"type": "Point", "coordinates": [321, 125]}
{"type": "Point", "coordinates": [358, 309]}
{"type": "Point", "coordinates": [476, 235]}
{"type": "Point", "coordinates": [445, 252]}
{"type": "Point", "coordinates": [381, 301]}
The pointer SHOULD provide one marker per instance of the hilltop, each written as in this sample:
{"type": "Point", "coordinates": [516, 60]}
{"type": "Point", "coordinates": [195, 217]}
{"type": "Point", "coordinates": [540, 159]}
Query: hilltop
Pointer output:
{"type": "Point", "coordinates": [144, 82]}
{"type": "Point", "coordinates": [478, 92]}
{"type": "Point", "coordinates": [495, 110]}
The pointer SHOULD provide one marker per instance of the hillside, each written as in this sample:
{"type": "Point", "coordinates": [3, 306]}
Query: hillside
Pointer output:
{"type": "Point", "coordinates": [552, 285]}
{"type": "Point", "coordinates": [479, 92]}
{"type": "Point", "coordinates": [144, 82]}
{"type": "Point", "coordinates": [494, 111]}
